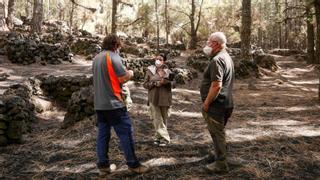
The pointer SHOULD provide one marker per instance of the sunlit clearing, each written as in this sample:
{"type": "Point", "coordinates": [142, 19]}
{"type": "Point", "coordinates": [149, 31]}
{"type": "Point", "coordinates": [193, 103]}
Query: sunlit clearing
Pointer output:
{"type": "Point", "coordinates": [253, 133]}
{"type": "Point", "coordinates": [171, 161]}
{"type": "Point", "coordinates": [311, 82]}
{"type": "Point", "coordinates": [187, 114]}
{"type": "Point", "coordinates": [75, 169]}
{"type": "Point", "coordinates": [279, 122]}
{"type": "Point", "coordinates": [67, 143]}
{"type": "Point", "coordinates": [255, 94]}
{"type": "Point", "coordinates": [186, 91]}
{"type": "Point", "coordinates": [301, 108]}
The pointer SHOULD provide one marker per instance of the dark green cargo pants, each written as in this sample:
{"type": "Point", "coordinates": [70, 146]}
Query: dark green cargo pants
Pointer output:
{"type": "Point", "coordinates": [217, 132]}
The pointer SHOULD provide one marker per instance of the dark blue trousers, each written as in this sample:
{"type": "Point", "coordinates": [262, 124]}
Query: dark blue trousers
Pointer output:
{"type": "Point", "coordinates": [118, 119]}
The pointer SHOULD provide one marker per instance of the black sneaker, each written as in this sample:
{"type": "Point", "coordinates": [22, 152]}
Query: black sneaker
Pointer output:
{"type": "Point", "coordinates": [156, 141]}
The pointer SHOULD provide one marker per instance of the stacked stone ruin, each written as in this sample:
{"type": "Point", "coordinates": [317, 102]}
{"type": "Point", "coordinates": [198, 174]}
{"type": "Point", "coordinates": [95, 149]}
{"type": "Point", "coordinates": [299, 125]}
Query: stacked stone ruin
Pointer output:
{"type": "Point", "coordinates": [24, 49]}
{"type": "Point", "coordinates": [16, 113]}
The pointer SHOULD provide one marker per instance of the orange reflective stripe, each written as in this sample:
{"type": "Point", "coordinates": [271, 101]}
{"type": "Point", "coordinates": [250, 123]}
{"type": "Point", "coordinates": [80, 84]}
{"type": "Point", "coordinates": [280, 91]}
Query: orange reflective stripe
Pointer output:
{"type": "Point", "coordinates": [115, 83]}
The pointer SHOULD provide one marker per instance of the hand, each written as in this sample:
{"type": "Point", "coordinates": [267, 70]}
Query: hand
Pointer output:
{"type": "Point", "coordinates": [131, 73]}
{"type": "Point", "coordinates": [158, 83]}
{"type": "Point", "coordinates": [205, 107]}
{"type": "Point", "coordinates": [162, 82]}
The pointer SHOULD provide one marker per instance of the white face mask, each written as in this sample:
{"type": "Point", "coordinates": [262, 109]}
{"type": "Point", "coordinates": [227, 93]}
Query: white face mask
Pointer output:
{"type": "Point", "coordinates": [158, 63]}
{"type": "Point", "coordinates": [207, 50]}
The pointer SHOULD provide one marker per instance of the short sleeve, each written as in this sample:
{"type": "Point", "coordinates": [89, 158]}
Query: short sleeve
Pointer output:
{"type": "Point", "coordinates": [118, 66]}
{"type": "Point", "coordinates": [216, 70]}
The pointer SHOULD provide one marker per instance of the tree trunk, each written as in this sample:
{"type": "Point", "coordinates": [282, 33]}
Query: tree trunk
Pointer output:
{"type": "Point", "coordinates": [37, 18]}
{"type": "Point", "coordinates": [193, 33]}
{"type": "Point", "coordinates": [27, 9]}
{"type": "Point", "coordinates": [10, 13]}
{"type": "Point", "coordinates": [310, 35]}
{"type": "Point", "coordinates": [114, 17]}
{"type": "Point", "coordinates": [317, 10]}
{"type": "Point", "coordinates": [3, 24]}
{"type": "Point", "coordinates": [61, 11]}
{"type": "Point", "coordinates": [73, 6]}
{"type": "Point", "coordinates": [245, 29]}
{"type": "Point", "coordinates": [48, 10]}
{"type": "Point", "coordinates": [286, 33]}
{"type": "Point", "coordinates": [158, 28]}
{"type": "Point", "coordinates": [278, 12]}
{"type": "Point", "coordinates": [166, 20]}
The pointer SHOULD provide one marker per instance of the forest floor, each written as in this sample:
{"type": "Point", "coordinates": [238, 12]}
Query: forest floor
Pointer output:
{"type": "Point", "coordinates": [272, 134]}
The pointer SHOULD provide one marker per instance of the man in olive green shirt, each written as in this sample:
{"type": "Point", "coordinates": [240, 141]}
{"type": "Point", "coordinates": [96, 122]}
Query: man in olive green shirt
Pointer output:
{"type": "Point", "coordinates": [216, 94]}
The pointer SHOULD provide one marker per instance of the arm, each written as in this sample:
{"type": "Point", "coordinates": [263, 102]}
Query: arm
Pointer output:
{"type": "Point", "coordinates": [168, 83]}
{"type": "Point", "coordinates": [126, 77]}
{"type": "Point", "coordinates": [123, 74]}
{"type": "Point", "coordinates": [216, 75]}
{"type": "Point", "coordinates": [147, 84]}
{"type": "Point", "coordinates": [213, 93]}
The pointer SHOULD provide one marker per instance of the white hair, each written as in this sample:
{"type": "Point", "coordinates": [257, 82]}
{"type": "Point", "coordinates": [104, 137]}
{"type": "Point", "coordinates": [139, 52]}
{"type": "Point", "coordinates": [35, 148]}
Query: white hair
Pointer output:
{"type": "Point", "coordinates": [219, 37]}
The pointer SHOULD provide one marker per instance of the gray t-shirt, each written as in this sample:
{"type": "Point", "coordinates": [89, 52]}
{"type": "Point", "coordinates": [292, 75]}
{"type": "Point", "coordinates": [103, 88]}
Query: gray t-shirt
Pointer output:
{"type": "Point", "coordinates": [220, 68]}
{"type": "Point", "coordinates": [104, 98]}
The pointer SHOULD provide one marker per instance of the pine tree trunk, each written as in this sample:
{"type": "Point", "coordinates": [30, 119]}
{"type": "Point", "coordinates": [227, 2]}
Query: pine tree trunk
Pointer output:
{"type": "Point", "coordinates": [317, 10]}
{"type": "Point", "coordinates": [3, 24]}
{"type": "Point", "coordinates": [114, 16]}
{"type": "Point", "coordinates": [27, 9]}
{"type": "Point", "coordinates": [310, 35]}
{"type": "Point", "coordinates": [73, 6]}
{"type": "Point", "coordinates": [10, 13]}
{"type": "Point", "coordinates": [286, 33]}
{"type": "Point", "coordinates": [246, 29]}
{"type": "Point", "coordinates": [37, 18]}
{"type": "Point", "coordinates": [158, 28]}
{"type": "Point", "coordinates": [166, 20]}
{"type": "Point", "coordinates": [193, 34]}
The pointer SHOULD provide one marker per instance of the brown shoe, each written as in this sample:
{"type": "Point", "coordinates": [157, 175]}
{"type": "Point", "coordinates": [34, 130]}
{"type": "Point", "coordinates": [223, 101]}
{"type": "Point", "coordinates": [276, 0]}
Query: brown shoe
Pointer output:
{"type": "Point", "coordinates": [107, 170]}
{"type": "Point", "coordinates": [140, 169]}
{"type": "Point", "coordinates": [104, 171]}
{"type": "Point", "coordinates": [218, 167]}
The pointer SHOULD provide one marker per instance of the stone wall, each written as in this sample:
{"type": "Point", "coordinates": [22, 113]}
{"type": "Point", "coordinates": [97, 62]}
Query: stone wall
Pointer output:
{"type": "Point", "coordinates": [16, 113]}
{"type": "Point", "coordinates": [60, 88]}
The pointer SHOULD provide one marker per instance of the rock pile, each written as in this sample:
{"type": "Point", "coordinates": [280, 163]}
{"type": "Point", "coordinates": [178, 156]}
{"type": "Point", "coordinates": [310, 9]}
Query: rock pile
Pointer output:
{"type": "Point", "coordinates": [79, 106]}
{"type": "Point", "coordinates": [27, 50]}
{"type": "Point", "coordinates": [246, 69]}
{"type": "Point", "coordinates": [182, 76]}
{"type": "Point", "coordinates": [285, 52]}
{"type": "Point", "coordinates": [3, 44]}
{"type": "Point", "coordinates": [198, 61]}
{"type": "Point", "coordinates": [61, 88]}
{"type": "Point", "coordinates": [234, 51]}
{"type": "Point", "coordinates": [16, 113]}
{"type": "Point", "coordinates": [266, 61]}
{"type": "Point", "coordinates": [139, 66]}
{"type": "Point", "coordinates": [86, 46]}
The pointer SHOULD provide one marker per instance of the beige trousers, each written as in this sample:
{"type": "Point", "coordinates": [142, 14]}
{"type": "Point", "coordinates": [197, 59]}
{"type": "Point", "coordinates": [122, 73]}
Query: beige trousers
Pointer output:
{"type": "Point", "coordinates": [159, 115]}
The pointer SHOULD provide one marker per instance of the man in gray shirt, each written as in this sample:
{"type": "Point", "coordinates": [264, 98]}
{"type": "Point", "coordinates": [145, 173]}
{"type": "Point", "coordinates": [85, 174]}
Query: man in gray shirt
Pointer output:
{"type": "Point", "coordinates": [216, 94]}
{"type": "Point", "coordinates": [109, 102]}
